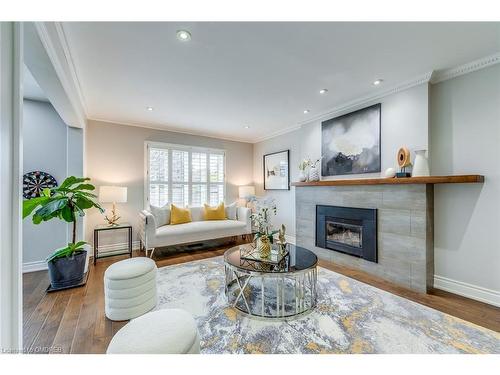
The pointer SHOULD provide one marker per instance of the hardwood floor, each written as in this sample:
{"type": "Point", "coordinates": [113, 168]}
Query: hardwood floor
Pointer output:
{"type": "Point", "coordinates": [73, 321]}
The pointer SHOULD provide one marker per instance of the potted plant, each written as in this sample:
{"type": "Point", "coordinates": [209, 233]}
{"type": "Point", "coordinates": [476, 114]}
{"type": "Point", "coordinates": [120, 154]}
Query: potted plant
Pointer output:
{"type": "Point", "coordinates": [304, 164]}
{"type": "Point", "coordinates": [262, 220]}
{"type": "Point", "coordinates": [66, 202]}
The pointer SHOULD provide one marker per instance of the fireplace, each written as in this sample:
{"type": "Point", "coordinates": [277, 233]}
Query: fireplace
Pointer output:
{"type": "Point", "coordinates": [348, 230]}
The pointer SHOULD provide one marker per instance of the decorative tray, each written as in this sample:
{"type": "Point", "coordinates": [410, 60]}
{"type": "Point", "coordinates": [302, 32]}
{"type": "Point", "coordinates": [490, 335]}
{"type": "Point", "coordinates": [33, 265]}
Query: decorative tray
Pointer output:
{"type": "Point", "coordinates": [252, 253]}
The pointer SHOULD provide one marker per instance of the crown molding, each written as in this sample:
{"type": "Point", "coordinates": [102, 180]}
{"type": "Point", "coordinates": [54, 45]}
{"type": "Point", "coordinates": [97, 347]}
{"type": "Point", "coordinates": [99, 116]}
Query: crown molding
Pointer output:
{"type": "Point", "coordinates": [167, 128]}
{"type": "Point", "coordinates": [57, 50]}
{"type": "Point", "coordinates": [422, 79]}
{"type": "Point", "coordinates": [277, 133]}
{"type": "Point", "coordinates": [470, 67]}
{"type": "Point", "coordinates": [71, 64]}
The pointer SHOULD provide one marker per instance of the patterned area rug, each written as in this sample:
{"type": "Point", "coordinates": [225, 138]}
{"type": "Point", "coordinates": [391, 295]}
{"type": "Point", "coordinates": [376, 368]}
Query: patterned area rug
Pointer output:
{"type": "Point", "coordinates": [351, 317]}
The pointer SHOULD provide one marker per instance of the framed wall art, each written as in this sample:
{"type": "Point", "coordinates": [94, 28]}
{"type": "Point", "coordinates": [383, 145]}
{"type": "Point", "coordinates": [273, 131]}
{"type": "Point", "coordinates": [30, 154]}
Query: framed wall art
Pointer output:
{"type": "Point", "coordinates": [277, 171]}
{"type": "Point", "coordinates": [350, 144]}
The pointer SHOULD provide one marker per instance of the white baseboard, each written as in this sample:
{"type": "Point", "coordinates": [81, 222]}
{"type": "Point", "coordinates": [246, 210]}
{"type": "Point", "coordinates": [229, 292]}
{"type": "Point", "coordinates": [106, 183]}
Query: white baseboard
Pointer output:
{"type": "Point", "coordinates": [42, 264]}
{"type": "Point", "coordinates": [34, 266]}
{"type": "Point", "coordinates": [478, 293]}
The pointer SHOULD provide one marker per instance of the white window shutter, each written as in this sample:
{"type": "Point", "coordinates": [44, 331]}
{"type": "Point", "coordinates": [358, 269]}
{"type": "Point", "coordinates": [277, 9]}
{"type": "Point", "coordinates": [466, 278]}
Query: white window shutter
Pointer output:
{"type": "Point", "coordinates": [185, 176]}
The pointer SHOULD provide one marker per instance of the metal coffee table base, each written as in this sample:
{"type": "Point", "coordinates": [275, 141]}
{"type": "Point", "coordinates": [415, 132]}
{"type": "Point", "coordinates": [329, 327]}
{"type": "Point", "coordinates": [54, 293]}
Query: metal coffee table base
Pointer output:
{"type": "Point", "coordinates": [271, 295]}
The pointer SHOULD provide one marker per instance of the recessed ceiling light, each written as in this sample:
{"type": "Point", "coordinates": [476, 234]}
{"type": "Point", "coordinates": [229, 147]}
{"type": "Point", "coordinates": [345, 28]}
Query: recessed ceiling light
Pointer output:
{"type": "Point", "coordinates": [323, 91]}
{"type": "Point", "coordinates": [183, 35]}
{"type": "Point", "coordinates": [247, 127]}
{"type": "Point", "coordinates": [378, 82]}
{"type": "Point", "coordinates": [149, 108]}
{"type": "Point", "coordinates": [306, 111]}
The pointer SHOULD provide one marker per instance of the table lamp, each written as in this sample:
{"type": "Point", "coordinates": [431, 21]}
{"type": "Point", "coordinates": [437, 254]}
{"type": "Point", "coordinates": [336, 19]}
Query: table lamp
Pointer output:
{"type": "Point", "coordinates": [246, 192]}
{"type": "Point", "coordinates": [112, 194]}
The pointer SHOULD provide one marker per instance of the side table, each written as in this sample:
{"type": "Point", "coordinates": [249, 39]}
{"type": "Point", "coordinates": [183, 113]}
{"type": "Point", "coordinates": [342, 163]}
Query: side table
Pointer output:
{"type": "Point", "coordinates": [106, 227]}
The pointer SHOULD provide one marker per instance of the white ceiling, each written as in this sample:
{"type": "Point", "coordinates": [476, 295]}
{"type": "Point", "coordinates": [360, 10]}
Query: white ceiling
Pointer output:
{"type": "Point", "coordinates": [258, 74]}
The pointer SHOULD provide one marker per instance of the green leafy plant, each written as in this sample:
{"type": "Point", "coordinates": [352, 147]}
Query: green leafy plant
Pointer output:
{"type": "Point", "coordinates": [65, 202]}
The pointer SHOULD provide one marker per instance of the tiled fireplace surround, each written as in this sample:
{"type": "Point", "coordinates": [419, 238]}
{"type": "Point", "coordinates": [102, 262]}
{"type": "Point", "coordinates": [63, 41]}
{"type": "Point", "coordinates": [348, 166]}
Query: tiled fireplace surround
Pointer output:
{"type": "Point", "coordinates": [404, 233]}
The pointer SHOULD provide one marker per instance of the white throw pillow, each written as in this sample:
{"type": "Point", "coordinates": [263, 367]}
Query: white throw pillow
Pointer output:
{"type": "Point", "coordinates": [196, 213]}
{"type": "Point", "coordinates": [231, 211]}
{"type": "Point", "coordinates": [161, 214]}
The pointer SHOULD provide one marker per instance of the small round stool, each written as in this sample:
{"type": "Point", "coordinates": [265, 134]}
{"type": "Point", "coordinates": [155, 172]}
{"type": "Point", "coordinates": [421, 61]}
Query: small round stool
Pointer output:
{"type": "Point", "coordinates": [169, 331]}
{"type": "Point", "coordinates": [130, 288]}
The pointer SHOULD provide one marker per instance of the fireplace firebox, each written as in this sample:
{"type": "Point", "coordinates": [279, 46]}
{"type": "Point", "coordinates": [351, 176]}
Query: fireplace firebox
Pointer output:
{"type": "Point", "coordinates": [348, 230]}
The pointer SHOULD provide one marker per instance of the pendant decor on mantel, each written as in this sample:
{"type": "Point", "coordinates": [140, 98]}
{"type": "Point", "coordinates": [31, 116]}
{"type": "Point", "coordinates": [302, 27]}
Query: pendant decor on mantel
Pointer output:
{"type": "Point", "coordinates": [34, 183]}
{"type": "Point", "coordinates": [421, 165]}
{"type": "Point", "coordinates": [314, 173]}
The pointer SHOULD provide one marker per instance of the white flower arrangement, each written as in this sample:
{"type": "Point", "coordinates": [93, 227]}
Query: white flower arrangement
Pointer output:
{"type": "Point", "coordinates": [264, 209]}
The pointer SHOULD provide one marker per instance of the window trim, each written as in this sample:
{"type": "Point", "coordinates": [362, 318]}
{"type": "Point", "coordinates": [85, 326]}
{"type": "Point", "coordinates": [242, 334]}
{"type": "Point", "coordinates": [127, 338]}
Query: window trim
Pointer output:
{"type": "Point", "coordinates": [190, 149]}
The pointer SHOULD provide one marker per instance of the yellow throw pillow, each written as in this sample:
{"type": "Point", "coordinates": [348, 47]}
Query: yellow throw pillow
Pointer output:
{"type": "Point", "coordinates": [179, 215]}
{"type": "Point", "coordinates": [214, 213]}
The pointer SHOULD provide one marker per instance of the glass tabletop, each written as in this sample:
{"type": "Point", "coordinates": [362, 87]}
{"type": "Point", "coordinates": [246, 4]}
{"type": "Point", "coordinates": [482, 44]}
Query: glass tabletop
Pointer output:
{"type": "Point", "coordinates": [116, 226]}
{"type": "Point", "coordinates": [298, 259]}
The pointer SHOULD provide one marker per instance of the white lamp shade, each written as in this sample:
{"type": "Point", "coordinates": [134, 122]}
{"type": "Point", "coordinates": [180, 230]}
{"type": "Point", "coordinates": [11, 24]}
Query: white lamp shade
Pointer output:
{"type": "Point", "coordinates": [112, 194]}
{"type": "Point", "coordinates": [246, 191]}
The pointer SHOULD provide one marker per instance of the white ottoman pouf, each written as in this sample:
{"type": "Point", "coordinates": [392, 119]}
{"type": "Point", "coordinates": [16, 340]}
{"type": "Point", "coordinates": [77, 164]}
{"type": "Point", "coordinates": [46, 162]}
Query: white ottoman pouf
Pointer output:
{"type": "Point", "coordinates": [130, 288]}
{"type": "Point", "coordinates": [170, 331]}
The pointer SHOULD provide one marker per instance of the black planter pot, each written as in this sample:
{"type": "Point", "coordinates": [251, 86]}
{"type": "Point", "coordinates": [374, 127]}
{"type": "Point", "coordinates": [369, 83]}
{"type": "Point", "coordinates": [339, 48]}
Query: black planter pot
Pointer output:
{"type": "Point", "coordinates": [68, 271]}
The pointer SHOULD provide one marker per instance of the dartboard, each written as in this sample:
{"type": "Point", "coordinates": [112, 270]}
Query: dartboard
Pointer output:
{"type": "Point", "coordinates": [35, 182]}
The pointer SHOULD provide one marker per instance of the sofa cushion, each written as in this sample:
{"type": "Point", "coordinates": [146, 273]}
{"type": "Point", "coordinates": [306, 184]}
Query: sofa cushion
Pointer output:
{"type": "Point", "coordinates": [214, 213]}
{"type": "Point", "coordinates": [194, 231]}
{"type": "Point", "coordinates": [179, 215]}
{"type": "Point", "coordinates": [231, 211]}
{"type": "Point", "coordinates": [161, 214]}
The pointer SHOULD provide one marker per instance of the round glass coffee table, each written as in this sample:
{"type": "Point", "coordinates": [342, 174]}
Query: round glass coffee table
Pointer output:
{"type": "Point", "coordinates": [282, 287]}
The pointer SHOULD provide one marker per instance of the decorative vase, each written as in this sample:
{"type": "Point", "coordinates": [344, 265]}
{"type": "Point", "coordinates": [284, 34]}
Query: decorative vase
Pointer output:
{"type": "Point", "coordinates": [264, 246]}
{"type": "Point", "coordinates": [390, 172]}
{"type": "Point", "coordinates": [302, 176]}
{"type": "Point", "coordinates": [314, 173]}
{"type": "Point", "coordinates": [421, 164]}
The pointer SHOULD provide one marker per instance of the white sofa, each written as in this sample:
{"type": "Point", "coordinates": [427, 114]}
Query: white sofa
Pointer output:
{"type": "Point", "coordinates": [153, 236]}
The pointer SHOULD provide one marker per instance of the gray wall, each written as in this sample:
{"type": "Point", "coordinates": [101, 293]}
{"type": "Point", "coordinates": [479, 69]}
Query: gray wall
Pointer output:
{"type": "Point", "coordinates": [47, 144]}
{"type": "Point", "coordinates": [465, 138]}
{"type": "Point", "coordinates": [115, 155]}
{"type": "Point", "coordinates": [404, 123]}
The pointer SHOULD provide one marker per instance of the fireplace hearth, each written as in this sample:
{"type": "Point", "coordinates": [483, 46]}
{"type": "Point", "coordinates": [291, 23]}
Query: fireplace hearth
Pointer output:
{"type": "Point", "coordinates": [348, 230]}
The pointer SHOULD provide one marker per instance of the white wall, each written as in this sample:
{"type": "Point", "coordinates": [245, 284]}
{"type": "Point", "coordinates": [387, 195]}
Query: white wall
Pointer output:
{"type": "Point", "coordinates": [285, 199]}
{"type": "Point", "coordinates": [115, 155]}
{"type": "Point", "coordinates": [44, 137]}
{"type": "Point", "coordinates": [465, 138]}
{"type": "Point", "coordinates": [53, 147]}
{"type": "Point", "coordinates": [74, 167]}
{"type": "Point", "coordinates": [404, 123]}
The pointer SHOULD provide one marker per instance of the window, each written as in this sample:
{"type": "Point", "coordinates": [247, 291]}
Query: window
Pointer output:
{"type": "Point", "coordinates": [184, 175]}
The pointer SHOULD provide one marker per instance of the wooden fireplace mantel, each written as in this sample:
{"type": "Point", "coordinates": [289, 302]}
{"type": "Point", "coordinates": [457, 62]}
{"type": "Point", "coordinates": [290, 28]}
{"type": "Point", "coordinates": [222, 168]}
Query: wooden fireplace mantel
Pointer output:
{"type": "Point", "coordinates": [460, 179]}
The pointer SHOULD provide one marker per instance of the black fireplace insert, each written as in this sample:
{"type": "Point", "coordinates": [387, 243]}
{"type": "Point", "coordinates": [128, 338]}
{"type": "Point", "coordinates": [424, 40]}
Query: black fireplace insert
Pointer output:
{"type": "Point", "coordinates": [348, 230]}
